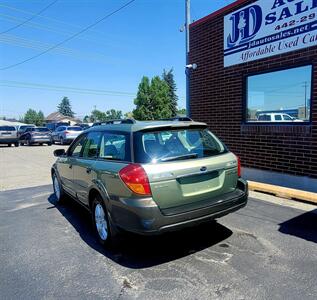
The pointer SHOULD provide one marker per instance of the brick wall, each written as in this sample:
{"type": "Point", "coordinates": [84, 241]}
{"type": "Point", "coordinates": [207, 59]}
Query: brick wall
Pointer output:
{"type": "Point", "coordinates": [217, 98]}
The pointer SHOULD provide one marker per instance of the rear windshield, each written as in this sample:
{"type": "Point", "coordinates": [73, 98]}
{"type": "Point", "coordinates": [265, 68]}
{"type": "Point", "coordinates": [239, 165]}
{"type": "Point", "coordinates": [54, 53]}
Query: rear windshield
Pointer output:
{"type": "Point", "coordinates": [74, 128]}
{"type": "Point", "coordinates": [40, 129]}
{"type": "Point", "coordinates": [171, 145]}
{"type": "Point", "coordinates": [7, 128]}
{"type": "Point", "coordinates": [25, 126]}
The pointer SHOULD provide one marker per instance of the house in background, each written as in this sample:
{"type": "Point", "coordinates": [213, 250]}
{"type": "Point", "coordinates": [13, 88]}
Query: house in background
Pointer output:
{"type": "Point", "coordinates": [57, 117]}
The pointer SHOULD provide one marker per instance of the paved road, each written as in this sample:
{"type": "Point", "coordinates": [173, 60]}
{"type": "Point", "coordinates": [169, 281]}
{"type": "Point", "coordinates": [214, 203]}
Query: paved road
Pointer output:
{"type": "Point", "coordinates": [265, 251]}
{"type": "Point", "coordinates": [26, 166]}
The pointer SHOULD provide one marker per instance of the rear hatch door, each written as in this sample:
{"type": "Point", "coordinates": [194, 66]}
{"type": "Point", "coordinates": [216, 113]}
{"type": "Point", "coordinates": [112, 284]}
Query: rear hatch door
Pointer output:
{"type": "Point", "coordinates": [193, 181]}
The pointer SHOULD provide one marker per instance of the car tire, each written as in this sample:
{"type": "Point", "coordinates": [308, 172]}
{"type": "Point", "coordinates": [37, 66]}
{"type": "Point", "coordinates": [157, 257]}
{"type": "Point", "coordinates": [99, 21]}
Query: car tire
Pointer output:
{"type": "Point", "coordinates": [21, 144]}
{"type": "Point", "coordinates": [49, 144]}
{"type": "Point", "coordinates": [105, 231]}
{"type": "Point", "coordinates": [58, 189]}
{"type": "Point", "coordinates": [16, 144]}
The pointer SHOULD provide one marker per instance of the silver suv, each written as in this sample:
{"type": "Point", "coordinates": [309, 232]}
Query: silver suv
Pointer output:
{"type": "Point", "coordinates": [9, 135]}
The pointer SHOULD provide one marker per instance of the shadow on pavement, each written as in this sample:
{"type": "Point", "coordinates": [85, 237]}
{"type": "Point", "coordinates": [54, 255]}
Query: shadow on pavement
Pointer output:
{"type": "Point", "coordinates": [137, 251]}
{"type": "Point", "coordinates": [303, 226]}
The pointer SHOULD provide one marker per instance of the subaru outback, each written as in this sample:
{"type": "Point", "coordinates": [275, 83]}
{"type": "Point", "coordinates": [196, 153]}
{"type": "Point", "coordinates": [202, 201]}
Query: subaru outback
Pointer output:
{"type": "Point", "coordinates": [149, 177]}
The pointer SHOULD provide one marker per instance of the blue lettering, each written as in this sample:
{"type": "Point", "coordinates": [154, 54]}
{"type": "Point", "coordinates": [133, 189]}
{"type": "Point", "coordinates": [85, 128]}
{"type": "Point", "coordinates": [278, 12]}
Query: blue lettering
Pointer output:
{"type": "Point", "coordinates": [278, 3]}
{"type": "Point", "coordinates": [299, 8]}
{"type": "Point", "coordinates": [285, 14]}
{"type": "Point", "coordinates": [270, 18]}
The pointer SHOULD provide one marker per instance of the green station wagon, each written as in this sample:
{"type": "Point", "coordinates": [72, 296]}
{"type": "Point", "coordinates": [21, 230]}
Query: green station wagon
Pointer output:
{"type": "Point", "coordinates": [149, 177]}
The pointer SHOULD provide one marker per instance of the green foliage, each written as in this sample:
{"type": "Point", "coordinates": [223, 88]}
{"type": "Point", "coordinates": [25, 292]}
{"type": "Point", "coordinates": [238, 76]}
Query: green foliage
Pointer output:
{"type": "Point", "coordinates": [65, 108]}
{"type": "Point", "coordinates": [153, 100]}
{"type": "Point", "coordinates": [33, 117]}
{"type": "Point", "coordinates": [168, 77]}
{"type": "Point", "coordinates": [181, 112]}
{"type": "Point", "coordinates": [100, 116]}
{"type": "Point", "coordinates": [113, 114]}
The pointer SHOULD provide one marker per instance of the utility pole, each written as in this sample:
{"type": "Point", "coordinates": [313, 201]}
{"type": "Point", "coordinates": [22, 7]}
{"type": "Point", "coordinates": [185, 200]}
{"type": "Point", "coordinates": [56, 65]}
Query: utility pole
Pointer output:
{"type": "Point", "coordinates": [187, 71]}
{"type": "Point", "coordinates": [305, 86]}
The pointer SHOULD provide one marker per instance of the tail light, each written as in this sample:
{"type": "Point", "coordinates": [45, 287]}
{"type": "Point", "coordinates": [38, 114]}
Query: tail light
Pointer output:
{"type": "Point", "coordinates": [239, 166]}
{"type": "Point", "coordinates": [134, 176]}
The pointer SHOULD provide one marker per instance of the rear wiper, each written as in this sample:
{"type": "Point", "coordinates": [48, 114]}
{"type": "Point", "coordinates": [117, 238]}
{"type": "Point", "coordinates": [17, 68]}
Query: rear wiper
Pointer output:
{"type": "Point", "coordinates": [180, 157]}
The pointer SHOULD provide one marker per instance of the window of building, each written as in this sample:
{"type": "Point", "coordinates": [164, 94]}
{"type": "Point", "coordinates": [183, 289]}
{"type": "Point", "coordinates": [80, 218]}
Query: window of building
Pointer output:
{"type": "Point", "coordinates": [280, 96]}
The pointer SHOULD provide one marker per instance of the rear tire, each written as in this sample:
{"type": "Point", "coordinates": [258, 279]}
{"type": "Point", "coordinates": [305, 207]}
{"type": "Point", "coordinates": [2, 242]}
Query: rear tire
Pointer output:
{"type": "Point", "coordinates": [16, 144]}
{"type": "Point", "coordinates": [49, 144]}
{"type": "Point", "coordinates": [106, 233]}
{"type": "Point", "coordinates": [58, 189]}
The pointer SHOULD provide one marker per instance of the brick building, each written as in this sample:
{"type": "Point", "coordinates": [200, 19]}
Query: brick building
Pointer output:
{"type": "Point", "coordinates": [257, 87]}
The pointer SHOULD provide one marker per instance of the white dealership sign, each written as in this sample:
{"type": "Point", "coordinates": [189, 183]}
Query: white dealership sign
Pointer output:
{"type": "Point", "coordinates": [269, 27]}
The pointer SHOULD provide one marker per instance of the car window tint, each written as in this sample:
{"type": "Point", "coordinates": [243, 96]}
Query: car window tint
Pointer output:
{"type": "Point", "coordinates": [114, 146]}
{"type": "Point", "coordinates": [175, 144]}
{"type": "Point", "coordinates": [76, 149]}
{"type": "Point", "coordinates": [91, 147]}
{"type": "Point", "coordinates": [286, 117]}
{"type": "Point", "coordinates": [74, 128]}
{"type": "Point", "coordinates": [278, 118]}
{"type": "Point", "coordinates": [7, 128]}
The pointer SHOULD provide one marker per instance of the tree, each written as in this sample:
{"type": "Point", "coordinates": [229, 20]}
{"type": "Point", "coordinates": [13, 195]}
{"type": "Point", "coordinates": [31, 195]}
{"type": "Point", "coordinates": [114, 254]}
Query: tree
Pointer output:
{"type": "Point", "coordinates": [65, 108]}
{"type": "Point", "coordinates": [142, 101]}
{"type": "Point", "coordinates": [168, 77]}
{"type": "Point", "coordinates": [153, 100]}
{"type": "Point", "coordinates": [113, 114]}
{"type": "Point", "coordinates": [33, 117]}
{"type": "Point", "coordinates": [98, 116]}
{"type": "Point", "coordinates": [181, 112]}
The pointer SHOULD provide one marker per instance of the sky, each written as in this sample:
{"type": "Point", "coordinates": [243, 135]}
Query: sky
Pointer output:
{"type": "Point", "coordinates": [100, 68]}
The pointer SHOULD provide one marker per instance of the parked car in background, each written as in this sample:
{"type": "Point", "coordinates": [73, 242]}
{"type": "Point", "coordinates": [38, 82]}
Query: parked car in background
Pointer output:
{"type": "Point", "coordinates": [66, 134]}
{"type": "Point", "coordinates": [276, 117]}
{"type": "Point", "coordinates": [9, 135]}
{"type": "Point", "coordinates": [84, 126]}
{"type": "Point", "coordinates": [53, 126]}
{"type": "Point", "coordinates": [23, 128]}
{"type": "Point", "coordinates": [36, 135]}
{"type": "Point", "coordinates": [149, 177]}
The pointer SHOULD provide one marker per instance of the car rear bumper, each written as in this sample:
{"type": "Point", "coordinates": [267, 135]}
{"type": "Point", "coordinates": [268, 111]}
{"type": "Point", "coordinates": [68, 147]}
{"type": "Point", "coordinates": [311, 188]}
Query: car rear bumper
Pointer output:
{"type": "Point", "coordinates": [9, 140]}
{"type": "Point", "coordinates": [40, 140]}
{"type": "Point", "coordinates": [152, 220]}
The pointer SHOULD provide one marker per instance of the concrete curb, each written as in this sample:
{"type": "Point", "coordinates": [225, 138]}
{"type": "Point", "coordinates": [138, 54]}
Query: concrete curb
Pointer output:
{"type": "Point", "coordinates": [283, 192]}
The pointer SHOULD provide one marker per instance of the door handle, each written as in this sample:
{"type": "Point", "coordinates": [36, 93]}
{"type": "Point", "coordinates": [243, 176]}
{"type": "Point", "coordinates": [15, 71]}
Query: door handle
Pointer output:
{"type": "Point", "coordinates": [88, 170]}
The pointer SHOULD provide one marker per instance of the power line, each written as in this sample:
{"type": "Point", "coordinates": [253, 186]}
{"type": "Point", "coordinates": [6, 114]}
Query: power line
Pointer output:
{"type": "Point", "coordinates": [38, 45]}
{"type": "Point", "coordinates": [69, 38]}
{"type": "Point", "coordinates": [29, 19]}
{"type": "Point", "coordinates": [63, 31]}
{"type": "Point", "coordinates": [21, 84]}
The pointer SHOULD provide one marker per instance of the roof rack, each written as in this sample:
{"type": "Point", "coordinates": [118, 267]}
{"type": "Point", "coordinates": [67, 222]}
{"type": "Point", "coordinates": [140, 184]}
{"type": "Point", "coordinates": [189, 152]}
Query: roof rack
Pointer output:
{"type": "Point", "coordinates": [182, 119]}
{"type": "Point", "coordinates": [121, 121]}
{"type": "Point", "coordinates": [115, 121]}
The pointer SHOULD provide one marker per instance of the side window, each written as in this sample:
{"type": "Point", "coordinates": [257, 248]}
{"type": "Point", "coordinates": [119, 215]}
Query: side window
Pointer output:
{"type": "Point", "coordinates": [76, 149]}
{"type": "Point", "coordinates": [114, 146]}
{"type": "Point", "coordinates": [91, 147]}
{"type": "Point", "coordinates": [278, 118]}
{"type": "Point", "coordinates": [287, 118]}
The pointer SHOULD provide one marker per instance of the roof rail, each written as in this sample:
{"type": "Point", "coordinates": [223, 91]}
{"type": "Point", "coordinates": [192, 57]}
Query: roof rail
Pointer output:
{"type": "Point", "coordinates": [121, 121]}
{"type": "Point", "coordinates": [186, 119]}
{"type": "Point", "coordinates": [115, 121]}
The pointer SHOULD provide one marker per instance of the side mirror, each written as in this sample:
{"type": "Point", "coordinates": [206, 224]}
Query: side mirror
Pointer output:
{"type": "Point", "coordinates": [59, 152]}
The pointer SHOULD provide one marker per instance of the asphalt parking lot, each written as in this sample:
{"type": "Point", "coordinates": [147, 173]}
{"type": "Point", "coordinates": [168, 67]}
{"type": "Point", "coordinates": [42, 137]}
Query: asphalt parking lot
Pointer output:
{"type": "Point", "coordinates": [264, 251]}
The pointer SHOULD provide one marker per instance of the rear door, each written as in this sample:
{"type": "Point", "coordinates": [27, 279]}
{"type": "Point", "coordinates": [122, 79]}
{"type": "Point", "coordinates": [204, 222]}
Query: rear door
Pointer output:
{"type": "Point", "coordinates": [187, 166]}
{"type": "Point", "coordinates": [83, 166]}
{"type": "Point", "coordinates": [65, 165]}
